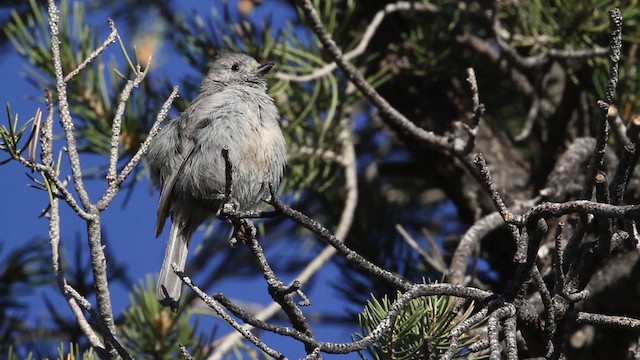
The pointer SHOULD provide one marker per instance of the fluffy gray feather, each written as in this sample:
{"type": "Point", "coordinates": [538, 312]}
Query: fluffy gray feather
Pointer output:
{"type": "Point", "coordinates": [186, 163]}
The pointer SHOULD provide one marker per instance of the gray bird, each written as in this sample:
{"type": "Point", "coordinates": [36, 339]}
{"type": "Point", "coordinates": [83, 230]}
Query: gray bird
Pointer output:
{"type": "Point", "coordinates": [232, 110]}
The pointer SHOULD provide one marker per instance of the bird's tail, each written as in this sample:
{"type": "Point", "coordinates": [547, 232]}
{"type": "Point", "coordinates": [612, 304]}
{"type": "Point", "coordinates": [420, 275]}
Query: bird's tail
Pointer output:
{"type": "Point", "coordinates": [169, 285]}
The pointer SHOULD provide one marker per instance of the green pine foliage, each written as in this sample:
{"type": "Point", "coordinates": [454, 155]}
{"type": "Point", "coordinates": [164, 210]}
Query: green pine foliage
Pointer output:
{"type": "Point", "coordinates": [14, 138]}
{"type": "Point", "coordinates": [151, 331]}
{"type": "Point", "coordinates": [73, 352]}
{"type": "Point", "coordinates": [76, 353]}
{"type": "Point", "coordinates": [421, 331]}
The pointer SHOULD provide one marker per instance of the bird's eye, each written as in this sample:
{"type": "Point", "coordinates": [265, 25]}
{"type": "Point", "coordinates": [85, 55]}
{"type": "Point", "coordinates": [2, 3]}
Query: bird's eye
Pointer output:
{"type": "Point", "coordinates": [235, 67]}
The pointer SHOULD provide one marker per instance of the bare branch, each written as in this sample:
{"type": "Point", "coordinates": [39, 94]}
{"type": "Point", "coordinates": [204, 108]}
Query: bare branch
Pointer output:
{"type": "Point", "coordinates": [103, 327]}
{"type": "Point", "coordinates": [615, 48]}
{"type": "Point", "coordinates": [618, 125]}
{"type": "Point", "coordinates": [99, 268]}
{"type": "Point", "coordinates": [50, 175]}
{"type": "Point", "coordinates": [558, 261]}
{"type": "Point", "coordinates": [621, 177]}
{"type": "Point", "coordinates": [581, 206]}
{"type": "Point", "coordinates": [112, 190]}
{"type": "Point", "coordinates": [63, 106]}
{"type": "Point", "coordinates": [508, 217]}
{"type": "Point", "coordinates": [117, 123]}
{"type": "Point", "coordinates": [460, 260]}
{"type": "Point", "coordinates": [381, 329]}
{"type": "Point", "coordinates": [54, 239]}
{"type": "Point", "coordinates": [423, 254]}
{"type": "Point", "coordinates": [478, 110]}
{"type": "Point", "coordinates": [462, 328]}
{"type": "Point", "coordinates": [108, 41]}
{"type": "Point", "coordinates": [392, 115]}
{"type": "Point", "coordinates": [298, 152]}
{"type": "Point", "coordinates": [616, 322]}
{"type": "Point", "coordinates": [365, 40]}
{"type": "Point", "coordinates": [46, 140]}
{"type": "Point", "coordinates": [185, 352]}
{"type": "Point", "coordinates": [507, 311]}
{"type": "Point", "coordinates": [545, 295]}
{"type": "Point", "coordinates": [226, 317]}
{"type": "Point", "coordinates": [510, 334]}
{"type": "Point", "coordinates": [228, 174]}
{"type": "Point", "coordinates": [351, 255]}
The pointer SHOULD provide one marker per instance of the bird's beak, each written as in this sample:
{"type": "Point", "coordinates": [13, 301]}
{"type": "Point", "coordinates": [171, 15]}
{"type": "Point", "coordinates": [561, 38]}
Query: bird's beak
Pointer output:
{"type": "Point", "coordinates": [263, 69]}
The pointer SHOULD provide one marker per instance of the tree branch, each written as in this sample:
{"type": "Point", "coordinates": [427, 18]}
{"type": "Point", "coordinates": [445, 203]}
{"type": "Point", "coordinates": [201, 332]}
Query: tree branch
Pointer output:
{"type": "Point", "coordinates": [391, 114]}
{"type": "Point", "coordinates": [348, 161]}
{"type": "Point", "coordinates": [365, 40]}
{"type": "Point", "coordinates": [63, 106]}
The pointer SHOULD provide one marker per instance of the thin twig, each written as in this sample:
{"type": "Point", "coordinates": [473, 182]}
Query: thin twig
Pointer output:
{"type": "Point", "coordinates": [279, 292]}
{"type": "Point", "coordinates": [462, 328]}
{"type": "Point", "coordinates": [351, 255]}
{"type": "Point", "coordinates": [621, 177]}
{"type": "Point", "coordinates": [108, 41]}
{"type": "Point", "coordinates": [366, 38]}
{"type": "Point", "coordinates": [617, 322]}
{"type": "Point", "coordinates": [82, 301]}
{"type": "Point", "coordinates": [548, 209]}
{"type": "Point", "coordinates": [346, 220]}
{"type": "Point", "coordinates": [63, 106]}
{"type": "Point", "coordinates": [437, 253]}
{"type": "Point", "coordinates": [117, 123]}
{"type": "Point", "coordinates": [414, 245]}
{"type": "Point", "coordinates": [558, 261]}
{"type": "Point", "coordinates": [162, 114]}
{"type": "Point", "coordinates": [85, 327]}
{"type": "Point", "coordinates": [481, 165]}
{"type": "Point", "coordinates": [185, 353]}
{"type": "Point", "coordinates": [228, 174]}
{"type": "Point", "coordinates": [508, 217]}
{"type": "Point", "coordinates": [393, 116]}
{"type": "Point", "coordinates": [460, 259]}
{"type": "Point", "coordinates": [615, 49]}
{"type": "Point", "coordinates": [298, 152]}
{"type": "Point", "coordinates": [618, 125]}
{"type": "Point", "coordinates": [51, 175]}
{"type": "Point", "coordinates": [251, 320]}
{"type": "Point", "coordinates": [545, 295]}
{"type": "Point", "coordinates": [476, 115]}
{"type": "Point", "coordinates": [534, 234]}
{"type": "Point", "coordinates": [226, 317]}
{"type": "Point", "coordinates": [383, 327]}
{"type": "Point", "coordinates": [112, 190]}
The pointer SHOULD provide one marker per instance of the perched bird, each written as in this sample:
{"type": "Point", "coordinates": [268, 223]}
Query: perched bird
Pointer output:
{"type": "Point", "coordinates": [234, 111]}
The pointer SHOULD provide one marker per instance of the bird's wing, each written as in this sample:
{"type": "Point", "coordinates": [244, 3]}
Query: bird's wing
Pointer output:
{"type": "Point", "coordinates": [164, 204]}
